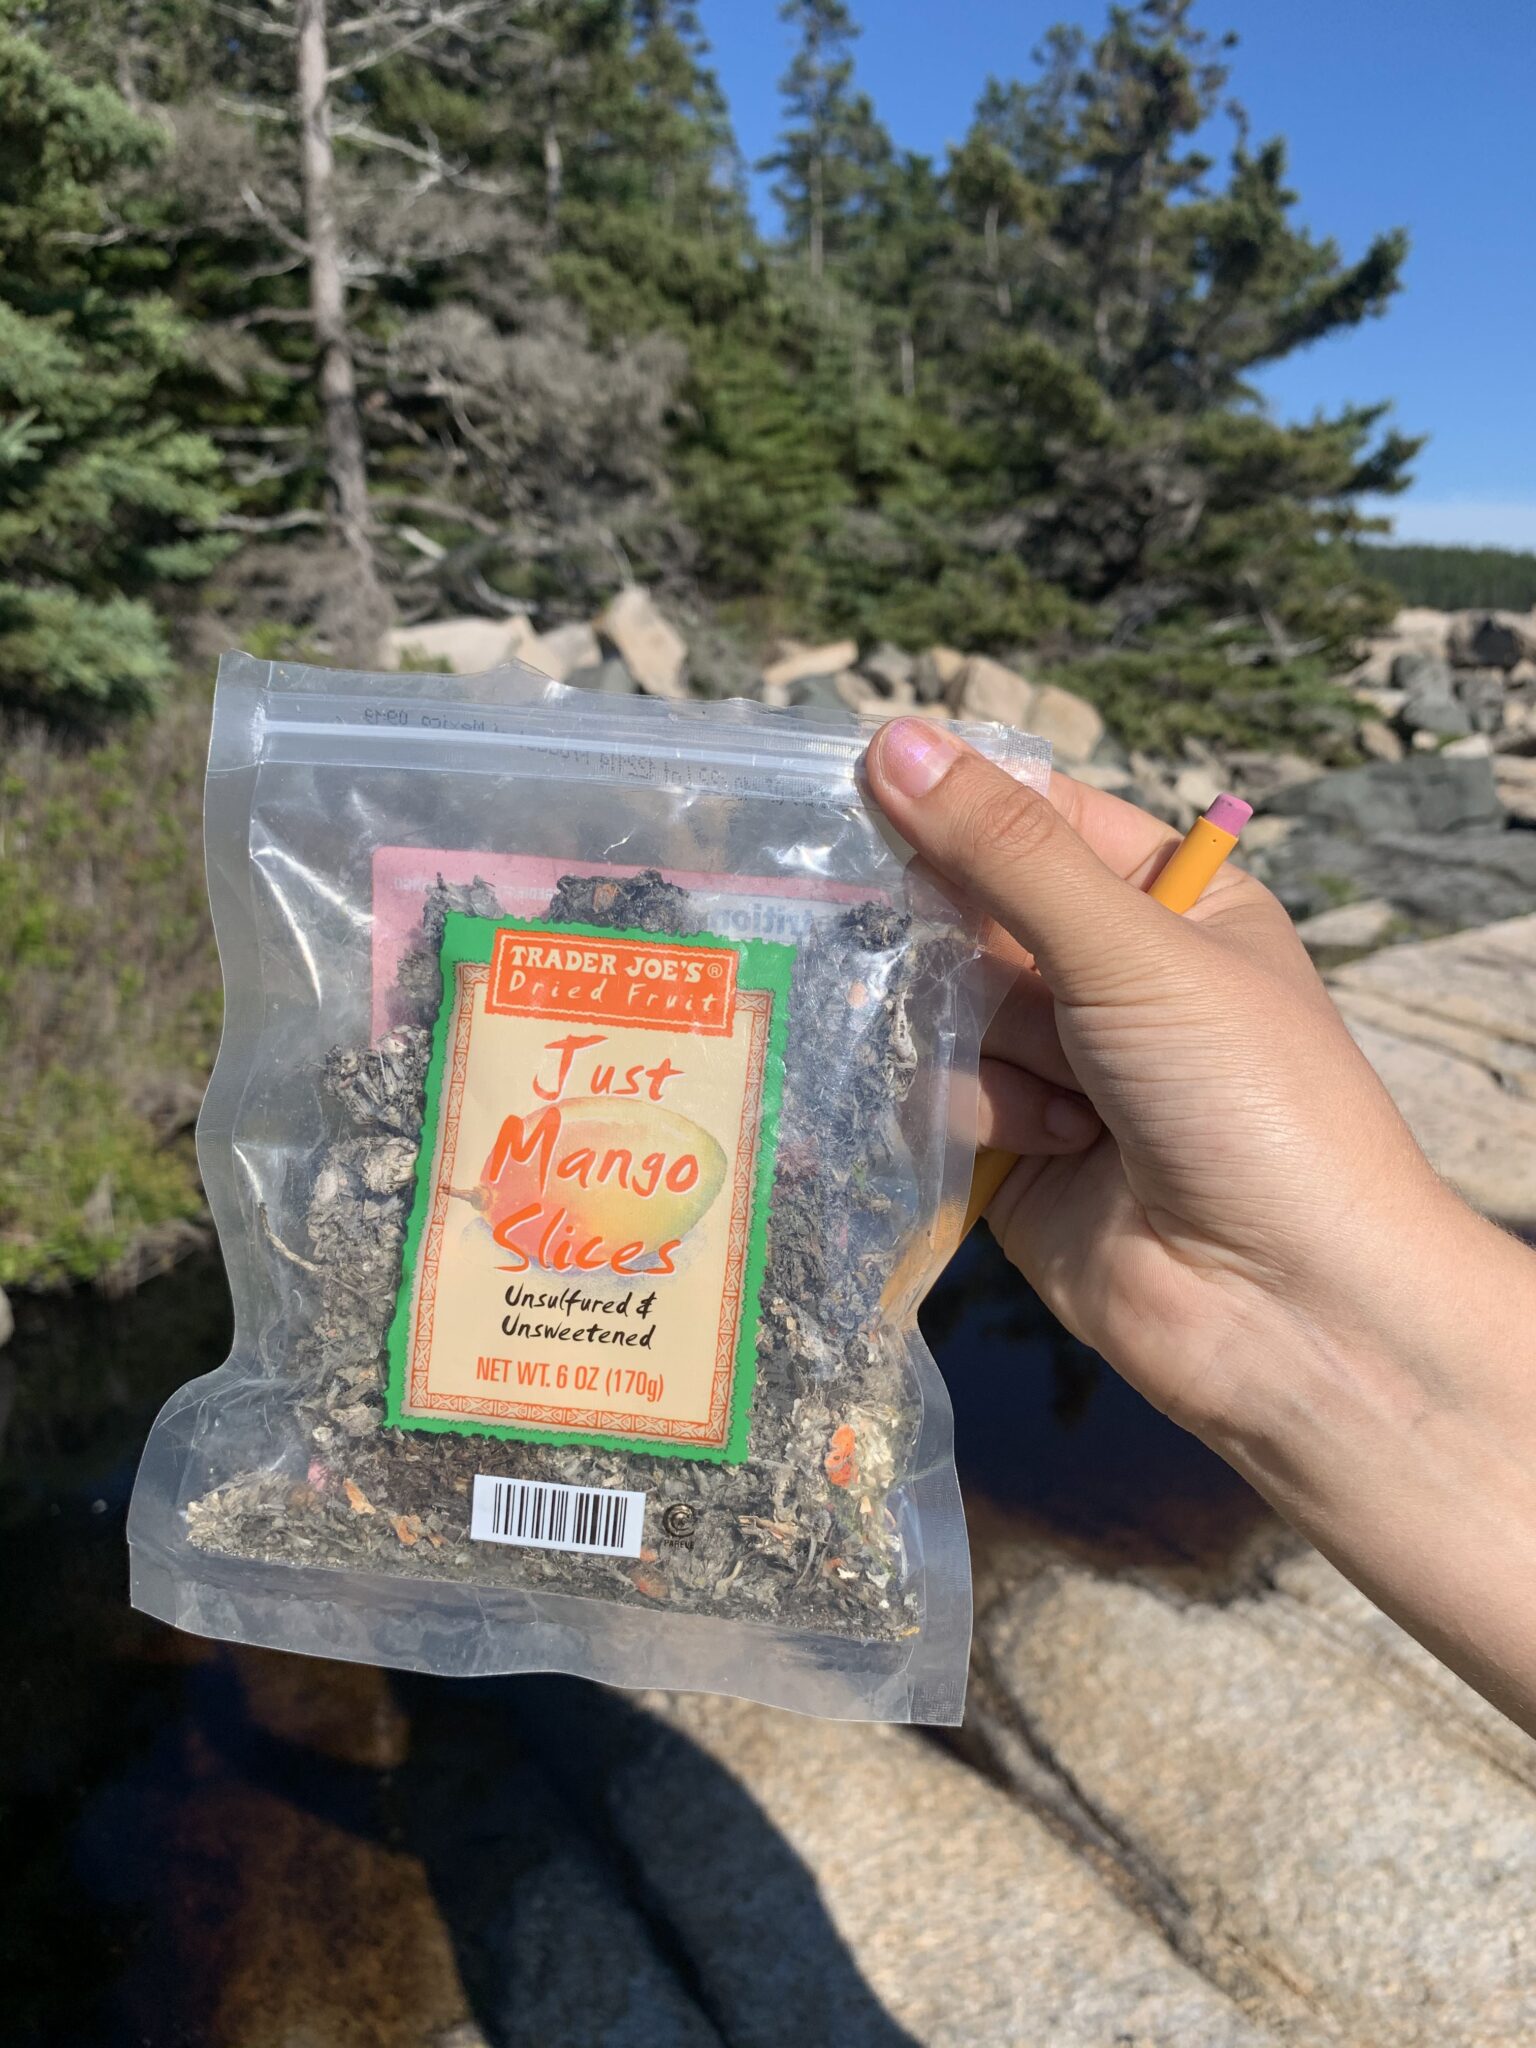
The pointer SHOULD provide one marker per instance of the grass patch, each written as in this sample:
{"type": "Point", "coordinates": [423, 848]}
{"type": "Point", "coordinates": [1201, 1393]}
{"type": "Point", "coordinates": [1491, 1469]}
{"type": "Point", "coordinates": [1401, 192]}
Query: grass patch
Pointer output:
{"type": "Point", "coordinates": [110, 1001]}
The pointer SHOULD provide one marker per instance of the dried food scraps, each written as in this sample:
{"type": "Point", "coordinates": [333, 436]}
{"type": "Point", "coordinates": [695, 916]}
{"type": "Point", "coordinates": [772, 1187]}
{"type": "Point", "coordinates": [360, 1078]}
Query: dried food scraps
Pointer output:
{"type": "Point", "coordinates": [800, 1533]}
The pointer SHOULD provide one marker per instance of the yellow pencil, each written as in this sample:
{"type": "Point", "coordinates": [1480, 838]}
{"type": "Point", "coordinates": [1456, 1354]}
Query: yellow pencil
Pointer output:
{"type": "Point", "coordinates": [1181, 884]}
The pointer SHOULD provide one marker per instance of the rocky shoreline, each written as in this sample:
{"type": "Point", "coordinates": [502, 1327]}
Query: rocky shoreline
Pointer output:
{"type": "Point", "coordinates": [1430, 834]}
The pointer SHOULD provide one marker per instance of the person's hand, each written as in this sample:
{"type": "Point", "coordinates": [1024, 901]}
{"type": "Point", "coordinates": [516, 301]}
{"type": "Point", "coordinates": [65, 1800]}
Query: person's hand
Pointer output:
{"type": "Point", "coordinates": [1217, 1193]}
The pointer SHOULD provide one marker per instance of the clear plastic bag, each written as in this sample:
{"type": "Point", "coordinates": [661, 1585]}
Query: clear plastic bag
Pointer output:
{"type": "Point", "coordinates": [595, 1098]}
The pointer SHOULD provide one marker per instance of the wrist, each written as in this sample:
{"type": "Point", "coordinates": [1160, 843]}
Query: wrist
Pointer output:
{"type": "Point", "coordinates": [1409, 1313]}
{"type": "Point", "coordinates": [1396, 1428]}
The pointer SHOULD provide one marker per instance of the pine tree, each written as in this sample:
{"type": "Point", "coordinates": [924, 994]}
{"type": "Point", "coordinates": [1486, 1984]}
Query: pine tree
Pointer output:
{"type": "Point", "coordinates": [834, 154]}
{"type": "Point", "coordinates": [1009, 400]}
{"type": "Point", "coordinates": [682, 126]}
{"type": "Point", "coordinates": [103, 496]}
{"type": "Point", "coordinates": [480, 162]}
{"type": "Point", "coordinates": [1120, 301]}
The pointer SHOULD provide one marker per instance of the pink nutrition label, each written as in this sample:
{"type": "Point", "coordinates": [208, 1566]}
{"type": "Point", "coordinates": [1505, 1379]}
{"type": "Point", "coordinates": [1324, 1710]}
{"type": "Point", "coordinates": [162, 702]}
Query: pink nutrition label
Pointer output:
{"type": "Point", "coordinates": [734, 906]}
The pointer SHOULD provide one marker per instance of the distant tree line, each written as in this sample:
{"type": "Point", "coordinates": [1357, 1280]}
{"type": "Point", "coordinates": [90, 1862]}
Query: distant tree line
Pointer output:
{"type": "Point", "coordinates": [1455, 578]}
{"type": "Point", "coordinates": [341, 309]}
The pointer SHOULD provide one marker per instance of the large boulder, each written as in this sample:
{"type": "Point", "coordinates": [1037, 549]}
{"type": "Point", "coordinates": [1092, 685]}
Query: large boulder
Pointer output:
{"type": "Point", "coordinates": [465, 646]}
{"type": "Point", "coordinates": [1258, 774]}
{"type": "Point", "coordinates": [608, 677]}
{"type": "Point", "coordinates": [1442, 882]}
{"type": "Point", "coordinates": [1416, 627]}
{"type": "Point", "coordinates": [934, 673]}
{"type": "Point", "coordinates": [1514, 777]}
{"type": "Point", "coordinates": [859, 692]}
{"type": "Point", "coordinates": [891, 669]}
{"type": "Point", "coordinates": [796, 660]}
{"type": "Point", "coordinates": [564, 650]}
{"type": "Point", "coordinates": [648, 644]}
{"type": "Point", "coordinates": [1430, 794]}
{"type": "Point", "coordinates": [1071, 724]}
{"type": "Point", "coordinates": [1491, 639]}
{"type": "Point", "coordinates": [896, 1896]}
{"type": "Point", "coordinates": [1378, 742]}
{"type": "Point", "coordinates": [984, 688]}
{"type": "Point", "coordinates": [1447, 1025]}
{"type": "Point", "coordinates": [1353, 927]}
{"type": "Point", "coordinates": [1483, 694]}
{"type": "Point", "coordinates": [822, 692]}
{"type": "Point", "coordinates": [1339, 1835]}
{"type": "Point", "coordinates": [1430, 702]}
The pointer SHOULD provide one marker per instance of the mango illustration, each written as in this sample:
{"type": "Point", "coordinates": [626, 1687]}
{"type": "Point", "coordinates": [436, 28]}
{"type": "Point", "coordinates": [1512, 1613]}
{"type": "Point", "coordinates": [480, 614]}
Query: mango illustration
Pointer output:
{"type": "Point", "coordinates": [623, 1172]}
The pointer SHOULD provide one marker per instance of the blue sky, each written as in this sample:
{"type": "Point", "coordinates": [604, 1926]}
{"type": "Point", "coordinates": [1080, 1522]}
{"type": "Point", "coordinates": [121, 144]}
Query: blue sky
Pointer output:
{"type": "Point", "coordinates": [1405, 113]}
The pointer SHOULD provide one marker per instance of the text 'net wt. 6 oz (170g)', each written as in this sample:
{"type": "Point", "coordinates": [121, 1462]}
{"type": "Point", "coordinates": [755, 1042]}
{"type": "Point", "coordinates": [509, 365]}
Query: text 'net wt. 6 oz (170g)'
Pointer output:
{"type": "Point", "coordinates": [596, 1094]}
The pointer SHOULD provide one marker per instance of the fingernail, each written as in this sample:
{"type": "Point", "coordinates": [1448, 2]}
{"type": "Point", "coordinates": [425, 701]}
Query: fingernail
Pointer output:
{"type": "Point", "coordinates": [1071, 1119]}
{"type": "Point", "coordinates": [916, 755]}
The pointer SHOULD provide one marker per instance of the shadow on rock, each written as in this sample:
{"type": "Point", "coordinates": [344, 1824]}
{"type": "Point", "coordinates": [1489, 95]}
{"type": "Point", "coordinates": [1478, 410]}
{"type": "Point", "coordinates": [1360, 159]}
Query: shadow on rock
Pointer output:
{"type": "Point", "coordinates": [564, 1926]}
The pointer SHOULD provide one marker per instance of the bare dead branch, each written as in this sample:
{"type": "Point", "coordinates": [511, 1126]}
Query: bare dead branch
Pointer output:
{"type": "Point", "coordinates": [371, 24]}
{"type": "Point", "coordinates": [258, 24]}
{"type": "Point", "coordinates": [278, 522]}
{"type": "Point", "coordinates": [79, 238]}
{"type": "Point", "coordinates": [250, 110]}
{"type": "Point", "coordinates": [495, 604]}
{"type": "Point", "coordinates": [438, 21]}
{"type": "Point", "coordinates": [439, 508]}
{"type": "Point", "coordinates": [238, 434]}
{"type": "Point", "coordinates": [429, 155]}
{"type": "Point", "coordinates": [259, 208]}
{"type": "Point", "coordinates": [260, 272]}
{"type": "Point", "coordinates": [267, 316]}
{"type": "Point", "coordinates": [421, 542]}
{"type": "Point", "coordinates": [269, 470]}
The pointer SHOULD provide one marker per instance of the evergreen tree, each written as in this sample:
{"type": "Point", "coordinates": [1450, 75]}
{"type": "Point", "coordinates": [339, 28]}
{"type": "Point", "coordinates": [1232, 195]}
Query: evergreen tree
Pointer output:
{"type": "Point", "coordinates": [681, 125]}
{"type": "Point", "coordinates": [1009, 400]}
{"type": "Point", "coordinates": [479, 161]}
{"type": "Point", "coordinates": [1116, 443]}
{"type": "Point", "coordinates": [1454, 578]}
{"type": "Point", "coordinates": [103, 496]}
{"type": "Point", "coordinates": [834, 154]}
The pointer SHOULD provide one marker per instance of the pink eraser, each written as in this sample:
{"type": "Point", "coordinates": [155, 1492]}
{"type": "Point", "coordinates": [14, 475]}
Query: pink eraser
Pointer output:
{"type": "Point", "coordinates": [1229, 814]}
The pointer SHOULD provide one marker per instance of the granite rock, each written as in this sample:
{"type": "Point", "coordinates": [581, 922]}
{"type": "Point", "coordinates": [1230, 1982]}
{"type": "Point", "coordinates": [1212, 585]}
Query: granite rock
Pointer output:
{"type": "Point", "coordinates": [1379, 741]}
{"type": "Point", "coordinates": [1356, 925]}
{"type": "Point", "coordinates": [464, 646]}
{"type": "Point", "coordinates": [1430, 702]}
{"type": "Point", "coordinates": [1447, 1025]}
{"type": "Point", "coordinates": [1429, 795]}
{"type": "Point", "coordinates": [1071, 724]}
{"type": "Point", "coordinates": [1331, 1828]}
{"type": "Point", "coordinates": [891, 668]}
{"type": "Point", "coordinates": [609, 678]}
{"type": "Point", "coordinates": [1442, 882]}
{"type": "Point", "coordinates": [1496, 639]}
{"type": "Point", "coordinates": [647, 643]}
{"type": "Point", "coordinates": [908, 1900]}
{"type": "Point", "coordinates": [1514, 777]}
{"type": "Point", "coordinates": [796, 661]}
{"type": "Point", "coordinates": [985, 688]}
{"type": "Point", "coordinates": [933, 673]}
{"type": "Point", "coordinates": [563, 650]}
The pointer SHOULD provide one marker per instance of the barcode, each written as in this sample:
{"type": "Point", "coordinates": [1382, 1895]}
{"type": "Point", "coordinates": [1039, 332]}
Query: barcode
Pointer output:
{"type": "Point", "coordinates": [553, 1517]}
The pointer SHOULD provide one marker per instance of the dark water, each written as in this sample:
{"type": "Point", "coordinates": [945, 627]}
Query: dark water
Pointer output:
{"type": "Point", "coordinates": [250, 1850]}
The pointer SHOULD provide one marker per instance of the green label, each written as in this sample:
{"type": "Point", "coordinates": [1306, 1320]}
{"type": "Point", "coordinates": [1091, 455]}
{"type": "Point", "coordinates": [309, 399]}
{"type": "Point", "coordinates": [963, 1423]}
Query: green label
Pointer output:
{"type": "Point", "coordinates": [587, 1241]}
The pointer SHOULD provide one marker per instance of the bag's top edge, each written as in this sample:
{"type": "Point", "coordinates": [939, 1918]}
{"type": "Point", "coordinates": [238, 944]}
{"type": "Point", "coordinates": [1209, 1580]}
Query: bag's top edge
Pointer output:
{"type": "Point", "coordinates": [294, 699]}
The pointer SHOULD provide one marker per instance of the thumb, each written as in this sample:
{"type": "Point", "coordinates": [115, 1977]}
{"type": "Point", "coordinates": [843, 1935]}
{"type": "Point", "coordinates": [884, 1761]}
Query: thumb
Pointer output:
{"type": "Point", "coordinates": [1095, 938]}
